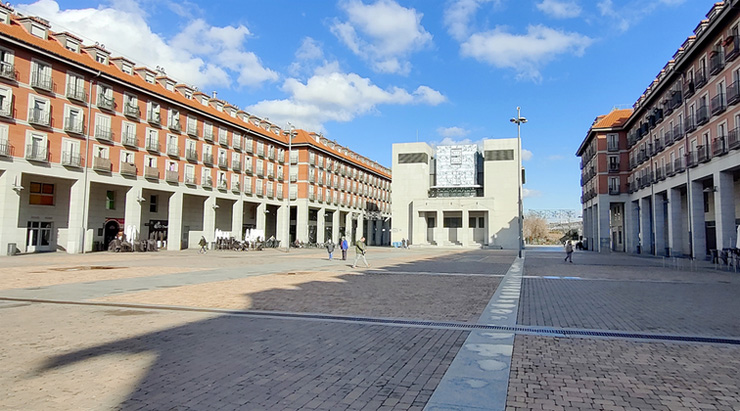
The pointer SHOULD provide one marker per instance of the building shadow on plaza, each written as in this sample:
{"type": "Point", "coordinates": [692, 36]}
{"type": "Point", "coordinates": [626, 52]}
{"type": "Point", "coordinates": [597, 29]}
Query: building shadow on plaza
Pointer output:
{"type": "Point", "coordinates": [262, 362]}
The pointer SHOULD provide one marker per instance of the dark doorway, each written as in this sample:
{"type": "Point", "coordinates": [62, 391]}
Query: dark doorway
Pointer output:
{"type": "Point", "coordinates": [110, 232]}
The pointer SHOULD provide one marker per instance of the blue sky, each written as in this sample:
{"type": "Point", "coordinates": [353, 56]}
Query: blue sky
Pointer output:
{"type": "Point", "coordinates": [369, 73]}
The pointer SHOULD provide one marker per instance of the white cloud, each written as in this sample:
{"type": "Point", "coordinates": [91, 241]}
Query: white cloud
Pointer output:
{"type": "Point", "coordinates": [383, 33]}
{"type": "Point", "coordinates": [458, 16]}
{"type": "Point", "coordinates": [560, 9]}
{"type": "Point", "coordinates": [525, 53]}
{"type": "Point", "coordinates": [332, 95]}
{"type": "Point", "coordinates": [632, 12]}
{"type": "Point", "coordinates": [452, 132]}
{"type": "Point", "coordinates": [200, 54]}
{"type": "Point", "coordinates": [528, 193]}
{"type": "Point", "coordinates": [526, 155]}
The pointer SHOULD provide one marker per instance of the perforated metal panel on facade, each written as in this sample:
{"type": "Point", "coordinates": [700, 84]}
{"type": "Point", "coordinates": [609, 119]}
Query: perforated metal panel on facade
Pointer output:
{"type": "Point", "coordinates": [499, 155]}
{"type": "Point", "coordinates": [457, 165]}
{"type": "Point", "coordinates": [412, 158]}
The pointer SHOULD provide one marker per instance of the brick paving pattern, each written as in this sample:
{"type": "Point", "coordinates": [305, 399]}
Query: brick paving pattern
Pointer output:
{"type": "Point", "coordinates": [591, 374]}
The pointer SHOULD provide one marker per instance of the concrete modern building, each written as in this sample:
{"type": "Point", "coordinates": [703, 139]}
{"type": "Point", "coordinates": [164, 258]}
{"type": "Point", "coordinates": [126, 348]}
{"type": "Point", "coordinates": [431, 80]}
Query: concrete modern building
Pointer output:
{"type": "Point", "coordinates": [92, 144]}
{"type": "Point", "coordinates": [662, 178]}
{"type": "Point", "coordinates": [456, 195]}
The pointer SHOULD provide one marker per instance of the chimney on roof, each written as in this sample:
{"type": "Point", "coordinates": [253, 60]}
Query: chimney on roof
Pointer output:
{"type": "Point", "coordinates": [215, 94]}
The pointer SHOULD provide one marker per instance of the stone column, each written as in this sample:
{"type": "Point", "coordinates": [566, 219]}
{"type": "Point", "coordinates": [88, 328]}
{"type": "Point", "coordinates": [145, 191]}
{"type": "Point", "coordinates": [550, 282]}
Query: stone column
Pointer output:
{"type": "Point", "coordinates": [360, 226]}
{"type": "Point", "coordinates": [78, 208]}
{"type": "Point", "coordinates": [632, 226]}
{"type": "Point", "coordinates": [465, 229]}
{"type": "Point", "coordinates": [603, 222]}
{"type": "Point", "coordinates": [660, 224]}
{"type": "Point", "coordinates": [724, 210]}
{"type": "Point", "coordinates": [209, 219]}
{"type": "Point", "coordinates": [676, 230]}
{"type": "Point", "coordinates": [261, 218]}
{"type": "Point", "coordinates": [321, 225]}
{"type": "Point", "coordinates": [378, 226]}
{"type": "Point", "coordinates": [132, 213]}
{"type": "Point", "coordinates": [347, 226]}
{"type": "Point", "coordinates": [10, 207]}
{"type": "Point", "coordinates": [646, 226]}
{"type": "Point", "coordinates": [335, 237]}
{"type": "Point", "coordinates": [697, 225]}
{"type": "Point", "coordinates": [237, 219]}
{"type": "Point", "coordinates": [174, 222]}
{"type": "Point", "coordinates": [439, 230]}
{"type": "Point", "coordinates": [302, 222]}
{"type": "Point", "coordinates": [283, 225]}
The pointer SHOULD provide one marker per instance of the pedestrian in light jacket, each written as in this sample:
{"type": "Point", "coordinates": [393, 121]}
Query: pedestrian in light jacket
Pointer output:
{"type": "Point", "coordinates": [360, 248]}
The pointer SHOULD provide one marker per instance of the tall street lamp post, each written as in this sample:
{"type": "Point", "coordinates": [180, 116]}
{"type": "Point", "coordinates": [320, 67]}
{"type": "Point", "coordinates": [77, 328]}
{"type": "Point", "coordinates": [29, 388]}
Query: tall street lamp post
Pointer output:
{"type": "Point", "coordinates": [519, 120]}
{"type": "Point", "coordinates": [290, 167]}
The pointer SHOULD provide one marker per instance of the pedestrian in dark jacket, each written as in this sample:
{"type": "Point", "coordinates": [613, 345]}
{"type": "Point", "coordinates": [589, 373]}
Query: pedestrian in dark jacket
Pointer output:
{"type": "Point", "coordinates": [344, 245]}
{"type": "Point", "coordinates": [330, 249]}
{"type": "Point", "coordinates": [203, 243]}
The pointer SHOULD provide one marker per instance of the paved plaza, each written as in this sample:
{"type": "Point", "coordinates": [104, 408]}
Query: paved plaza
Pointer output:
{"type": "Point", "coordinates": [287, 331]}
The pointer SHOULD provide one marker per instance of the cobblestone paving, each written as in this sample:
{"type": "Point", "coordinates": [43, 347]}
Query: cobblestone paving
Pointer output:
{"type": "Point", "coordinates": [586, 374]}
{"type": "Point", "coordinates": [677, 308]}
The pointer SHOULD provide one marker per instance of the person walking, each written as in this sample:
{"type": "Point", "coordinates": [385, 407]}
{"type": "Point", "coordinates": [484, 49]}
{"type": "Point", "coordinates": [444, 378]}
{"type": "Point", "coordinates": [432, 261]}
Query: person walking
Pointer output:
{"type": "Point", "coordinates": [344, 245]}
{"type": "Point", "coordinates": [360, 252]}
{"type": "Point", "coordinates": [330, 248]}
{"type": "Point", "coordinates": [569, 251]}
{"type": "Point", "coordinates": [202, 243]}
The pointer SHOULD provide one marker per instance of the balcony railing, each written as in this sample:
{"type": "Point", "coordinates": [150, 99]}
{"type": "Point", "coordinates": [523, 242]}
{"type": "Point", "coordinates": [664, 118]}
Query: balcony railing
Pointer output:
{"type": "Point", "coordinates": [153, 117]}
{"type": "Point", "coordinates": [151, 173]}
{"type": "Point", "coordinates": [732, 47]}
{"type": "Point", "coordinates": [718, 104]}
{"type": "Point", "coordinates": [716, 62]}
{"type": "Point", "coordinates": [190, 180]}
{"type": "Point", "coordinates": [208, 135]}
{"type": "Point", "coordinates": [208, 158]}
{"type": "Point", "coordinates": [6, 109]}
{"type": "Point", "coordinates": [235, 186]}
{"type": "Point", "coordinates": [237, 143]}
{"type": "Point", "coordinates": [222, 185]}
{"type": "Point", "coordinates": [657, 146]}
{"type": "Point", "coordinates": [669, 169]}
{"type": "Point", "coordinates": [36, 153]}
{"type": "Point", "coordinates": [129, 139]}
{"type": "Point", "coordinates": [104, 133]}
{"type": "Point", "coordinates": [702, 115]}
{"type": "Point", "coordinates": [102, 164]}
{"type": "Point", "coordinates": [733, 93]}
{"type": "Point", "coordinates": [703, 153]}
{"type": "Point", "coordinates": [677, 132]}
{"type": "Point", "coordinates": [4, 149]}
{"type": "Point", "coordinates": [248, 167]}
{"type": "Point", "coordinates": [688, 89]}
{"type": "Point", "coordinates": [132, 111]}
{"type": "Point", "coordinates": [175, 126]}
{"type": "Point", "coordinates": [152, 144]}
{"type": "Point", "coordinates": [173, 150]}
{"type": "Point", "coordinates": [76, 93]}
{"type": "Point", "coordinates": [74, 125]}
{"type": "Point", "coordinates": [7, 71]}
{"type": "Point", "coordinates": [106, 103]}
{"type": "Point", "coordinates": [236, 166]}
{"type": "Point", "coordinates": [223, 162]}
{"type": "Point", "coordinates": [701, 77]}
{"type": "Point", "coordinates": [733, 139]}
{"type": "Point", "coordinates": [41, 81]}
{"type": "Point", "coordinates": [193, 130]}
{"type": "Point", "coordinates": [171, 176]}
{"type": "Point", "coordinates": [611, 147]}
{"type": "Point", "coordinates": [71, 159]}
{"type": "Point", "coordinates": [248, 187]}
{"type": "Point", "coordinates": [128, 169]}
{"type": "Point", "coordinates": [689, 123]}
{"type": "Point", "coordinates": [659, 174]}
{"type": "Point", "coordinates": [668, 138]}
{"type": "Point", "coordinates": [39, 117]}
{"type": "Point", "coordinates": [678, 165]}
{"type": "Point", "coordinates": [613, 168]}
{"type": "Point", "coordinates": [207, 182]}
{"type": "Point", "coordinates": [191, 154]}
{"type": "Point", "coordinates": [692, 159]}
{"type": "Point", "coordinates": [223, 140]}
{"type": "Point", "coordinates": [719, 146]}
{"type": "Point", "coordinates": [248, 145]}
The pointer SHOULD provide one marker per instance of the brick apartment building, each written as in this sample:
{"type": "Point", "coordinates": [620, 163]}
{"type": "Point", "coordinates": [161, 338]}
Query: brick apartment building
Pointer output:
{"type": "Point", "coordinates": [662, 178]}
{"type": "Point", "coordinates": [92, 144]}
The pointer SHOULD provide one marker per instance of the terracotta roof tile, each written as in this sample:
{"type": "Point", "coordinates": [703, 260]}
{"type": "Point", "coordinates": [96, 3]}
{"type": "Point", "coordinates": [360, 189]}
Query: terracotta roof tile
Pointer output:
{"type": "Point", "coordinates": [614, 119]}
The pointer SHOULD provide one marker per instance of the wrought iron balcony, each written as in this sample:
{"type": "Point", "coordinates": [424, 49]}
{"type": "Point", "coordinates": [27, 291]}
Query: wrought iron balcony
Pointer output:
{"type": "Point", "coordinates": [692, 159]}
{"type": "Point", "coordinates": [236, 166]}
{"type": "Point", "coordinates": [248, 187]}
{"type": "Point", "coordinates": [71, 159]}
{"type": "Point", "coordinates": [104, 133]}
{"type": "Point", "coordinates": [41, 81]}
{"type": "Point", "coordinates": [701, 77]}
{"type": "Point", "coordinates": [669, 169]}
{"type": "Point", "coordinates": [207, 182]}
{"type": "Point", "coordinates": [718, 104]}
{"type": "Point", "coordinates": [208, 135]}
{"type": "Point", "coordinates": [235, 186]}
{"type": "Point", "coordinates": [248, 166]}
{"type": "Point", "coordinates": [719, 146]}
{"type": "Point", "coordinates": [173, 150]}
{"type": "Point", "coordinates": [716, 62]}
{"type": "Point", "coordinates": [249, 145]}
{"type": "Point", "coordinates": [688, 88]}
{"type": "Point", "coordinates": [102, 164]}
{"type": "Point", "coordinates": [193, 130]}
{"type": "Point", "coordinates": [703, 153]}
{"type": "Point", "coordinates": [175, 126]}
{"type": "Point", "coordinates": [689, 123]}
{"type": "Point", "coordinates": [208, 159]}
{"type": "Point", "coordinates": [4, 149]}
{"type": "Point", "coordinates": [154, 117]}
{"type": "Point", "coordinates": [6, 108]}
{"type": "Point", "coordinates": [223, 162]}
{"type": "Point", "coordinates": [190, 180]}
{"type": "Point", "coordinates": [128, 169]}
{"type": "Point", "coordinates": [152, 144]}
{"type": "Point", "coordinates": [129, 139]}
{"type": "Point", "coordinates": [678, 165]}
{"type": "Point", "coordinates": [612, 146]}
{"type": "Point", "coordinates": [222, 185]}
{"type": "Point", "coordinates": [39, 117]}
{"type": "Point", "coordinates": [702, 115]}
{"type": "Point", "coordinates": [74, 125]}
{"type": "Point", "coordinates": [613, 168]}
{"type": "Point", "coordinates": [76, 93]}
{"type": "Point", "coordinates": [36, 153]}
{"type": "Point", "coordinates": [106, 103]}
{"type": "Point", "coordinates": [657, 146]}
{"type": "Point", "coordinates": [131, 111]}
{"type": "Point", "coordinates": [7, 71]}
{"type": "Point", "coordinates": [191, 154]}
{"type": "Point", "coordinates": [732, 47]}
{"type": "Point", "coordinates": [677, 132]}
{"type": "Point", "coordinates": [223, 140]}
{"type": "Point", "coordinates": [733, 139]}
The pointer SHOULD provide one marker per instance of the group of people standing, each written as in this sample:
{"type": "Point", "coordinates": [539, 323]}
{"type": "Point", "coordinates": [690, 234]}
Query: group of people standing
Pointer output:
{"type": "Point", "coordinates": [360, 249]}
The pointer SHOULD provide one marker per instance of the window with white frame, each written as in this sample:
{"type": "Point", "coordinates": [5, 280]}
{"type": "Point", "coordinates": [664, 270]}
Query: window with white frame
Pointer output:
{"type": "Point", "coordinates": [127, 68]}
{"type": "Point", "coordinates": [41, 75]}
{"type": "Point", "coordinates": [36, 145]}
{"type": "Point", "coordinates": [173, 119]}
{"type": "Point", "coordinates": [205, 177]}
{"type": "Point", "coordinates": [235, 181]}
{"type": "Point", "coordinates": [101, 58]}
{"type": "Point", "coordinates": [153, 114]}
{"type": "Point", "coordinates": [189, 174]}
{"type": "Point", "coordinates": [75, 86]}
{"type": "Point", "coordinates": [7, 63]}
{"type": "Point", "coordinates": [223, 136]}
{"type": "Point", "coordinates": [221, 179]}
{"type": "Point", "coordinates": [71, 152]}
{"type": "Point", "coordinates": [293, 157]}
{"type": "Point", "coordinates": [6, 102]}
{"type": "Point", "coordinates": [235, 161]}
{"type": "Point", "coordinates": [103, 127]}
{"type": "Point", "coordinates": [149, 78]}
{"type": "Point", "coordinates": [128, 133]}
{"type": "Point", "coordinates": [192, 124]}
{"type": "Point", "coordinates": [150, 161]}
{"type": "Point", "coordinates": [260, 167]}
{"type": "Point", "coordinates": [105, 97]}
{"type": "Point", "coordinates": [74, 119]}
{"type": "Point", "coordinates": [39, 110]}
{"type": "Point", "coordinates": [128, 157]}
{"type": "Point", "coordinates": [4, 147]}
{"type": "Point", "coordinates": [152, 139]}
{"type": "Point", "coordinates": [208, 131]}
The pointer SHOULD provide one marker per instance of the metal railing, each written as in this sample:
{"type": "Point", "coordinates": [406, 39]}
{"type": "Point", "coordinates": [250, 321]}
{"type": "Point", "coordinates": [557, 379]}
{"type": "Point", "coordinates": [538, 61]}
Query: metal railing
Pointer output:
{"type": "Point", "coordinates": [41, 81]}
{"type": "Point", "coordinates": [173, 150]}
{"type": "Point", "coordinates": [193, 131]}
{"type": "Point", "coordinates": [191, 154]}
{"type": "Point", "coordinates": [106, 103]}
{"type": "Point", "coordinates": [131, 111]}
{"type": "Point", "coordinates": [208, 158]}
{"type": "Point", "coordinates": [129, 139]}
{"type": "Point", "coordinates": [103, 133]}
{"type": "Point", "coordinates": [154, 117]}
{"type": "Point", "coordinates": [152, 144]}
{"type": "Point", "coordinates": [39, 117]}
{"type": "Point", "coordinates": [7, 70]}
{"type": "Point", "coordinates": [36, 153]}
{"type": "Point", "coordinates": [74, 125]}
{"type": "Point", "coordinates": [76, 93]}
{"type": "Point", "coordinates": [71, 159]}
